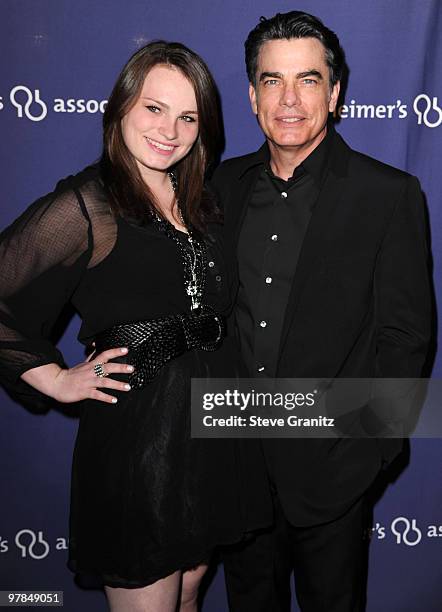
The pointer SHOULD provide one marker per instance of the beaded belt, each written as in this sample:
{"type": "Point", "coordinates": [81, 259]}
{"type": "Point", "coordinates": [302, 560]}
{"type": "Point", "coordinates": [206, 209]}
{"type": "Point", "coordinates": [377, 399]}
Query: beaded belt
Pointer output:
{"type": "Point", "coordinates": [154, 342]}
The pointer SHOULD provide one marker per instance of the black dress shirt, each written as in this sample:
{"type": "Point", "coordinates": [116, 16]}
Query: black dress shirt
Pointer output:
{"type": "Point", "coordinates": [270, 242]}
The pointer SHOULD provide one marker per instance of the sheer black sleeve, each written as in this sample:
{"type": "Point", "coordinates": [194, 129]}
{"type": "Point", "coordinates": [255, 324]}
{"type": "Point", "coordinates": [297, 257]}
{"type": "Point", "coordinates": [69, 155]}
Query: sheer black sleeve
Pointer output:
{"type": "Point", "coordinates": [43, 256]}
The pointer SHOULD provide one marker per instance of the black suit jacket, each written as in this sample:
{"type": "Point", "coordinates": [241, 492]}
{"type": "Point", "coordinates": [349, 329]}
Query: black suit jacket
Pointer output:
{"type": "Point", "coordinates": [359, 307]}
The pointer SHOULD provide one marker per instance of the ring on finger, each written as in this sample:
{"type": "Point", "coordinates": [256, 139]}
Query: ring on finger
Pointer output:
{"type": "Point", "coordinates": [99, 370]}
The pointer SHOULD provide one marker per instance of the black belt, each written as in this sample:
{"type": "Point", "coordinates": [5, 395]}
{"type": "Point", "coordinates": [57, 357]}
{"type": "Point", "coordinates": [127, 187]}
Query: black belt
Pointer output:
{"type": "Point", "coordinates": [154, 342]}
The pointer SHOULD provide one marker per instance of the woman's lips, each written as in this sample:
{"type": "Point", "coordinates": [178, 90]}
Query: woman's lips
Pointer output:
{"type": "Point", "coordinates": [161, 147]}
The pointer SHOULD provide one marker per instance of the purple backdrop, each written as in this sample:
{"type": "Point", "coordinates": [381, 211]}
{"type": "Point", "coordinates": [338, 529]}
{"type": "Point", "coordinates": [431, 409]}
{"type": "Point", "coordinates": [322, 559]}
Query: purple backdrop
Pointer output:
{"type": "Point", "coordinates": [60, 60]}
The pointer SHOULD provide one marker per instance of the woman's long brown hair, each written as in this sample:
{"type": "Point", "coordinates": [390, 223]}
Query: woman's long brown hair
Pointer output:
{"type": "Point", "coordinates": [130, 196]}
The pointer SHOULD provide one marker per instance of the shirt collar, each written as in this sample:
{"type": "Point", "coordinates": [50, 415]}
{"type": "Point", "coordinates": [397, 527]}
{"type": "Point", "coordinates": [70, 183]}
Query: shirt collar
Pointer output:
{"type": "Point", "coordinates": [315, 164]}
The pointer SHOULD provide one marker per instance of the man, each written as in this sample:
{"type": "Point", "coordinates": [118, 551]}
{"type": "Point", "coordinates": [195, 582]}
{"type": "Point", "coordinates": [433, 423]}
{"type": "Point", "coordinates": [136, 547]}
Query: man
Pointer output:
{"type": "Point", "coordinates": [332, 282]}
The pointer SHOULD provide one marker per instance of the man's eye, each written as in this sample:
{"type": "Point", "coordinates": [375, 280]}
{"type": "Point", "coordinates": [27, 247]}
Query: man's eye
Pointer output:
{"type": "Point", "coordinates": [188, 119]}
{"type": "Point", "coordinates": [270, 82]}
{"type": "Point", "coordinates": [153, 109]}
{"type": "Point", "coordinates": [309, 81]}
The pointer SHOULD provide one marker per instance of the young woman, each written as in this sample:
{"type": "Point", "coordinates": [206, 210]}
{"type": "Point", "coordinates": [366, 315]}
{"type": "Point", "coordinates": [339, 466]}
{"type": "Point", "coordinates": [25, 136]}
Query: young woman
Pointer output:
{"type": "Point", "coordinates": [132, 243]}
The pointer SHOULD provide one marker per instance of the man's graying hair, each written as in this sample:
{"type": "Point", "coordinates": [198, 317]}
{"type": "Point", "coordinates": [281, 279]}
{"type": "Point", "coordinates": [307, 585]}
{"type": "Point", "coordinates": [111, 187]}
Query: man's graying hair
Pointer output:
{"type": "Point", "coordinates": [295, 24]}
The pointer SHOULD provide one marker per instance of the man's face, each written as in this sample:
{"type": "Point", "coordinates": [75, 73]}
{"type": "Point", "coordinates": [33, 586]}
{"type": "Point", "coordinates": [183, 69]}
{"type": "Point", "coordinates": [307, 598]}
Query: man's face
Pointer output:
{"type": "Point", "coordinates": [292, 97]}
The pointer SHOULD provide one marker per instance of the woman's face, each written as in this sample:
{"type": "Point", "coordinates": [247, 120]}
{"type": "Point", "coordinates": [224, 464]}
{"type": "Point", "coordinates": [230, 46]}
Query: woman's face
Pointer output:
{"type": "Point", "coordinates": [162, 126]}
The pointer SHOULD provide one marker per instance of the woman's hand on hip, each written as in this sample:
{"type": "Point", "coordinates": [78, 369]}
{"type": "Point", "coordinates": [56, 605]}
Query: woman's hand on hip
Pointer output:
{"type": "Point", "coordinates": [82, 381]}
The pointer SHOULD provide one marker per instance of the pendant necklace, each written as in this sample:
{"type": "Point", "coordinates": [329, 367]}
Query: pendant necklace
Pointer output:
{"type": "Point", "coordinates": [193, 256]}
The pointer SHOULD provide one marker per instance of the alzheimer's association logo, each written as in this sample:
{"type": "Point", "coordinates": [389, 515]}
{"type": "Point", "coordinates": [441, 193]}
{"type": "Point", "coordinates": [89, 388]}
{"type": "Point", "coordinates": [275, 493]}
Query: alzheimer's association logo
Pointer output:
{"type": "Point", "coordinates": [30, 105]}
{"type": "Point", "coordinates": [427, 110]}
{"type": "Point", "coordinates": [407, 532]}
{"type": "Point", "coordinates": [28, 102]}
{"type": "Point", "coordinates": [32, 544]}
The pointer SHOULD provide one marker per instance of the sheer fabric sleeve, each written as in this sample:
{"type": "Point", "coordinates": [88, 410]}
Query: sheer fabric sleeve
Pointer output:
{"type": "Point", "coordinates": [43, 256]}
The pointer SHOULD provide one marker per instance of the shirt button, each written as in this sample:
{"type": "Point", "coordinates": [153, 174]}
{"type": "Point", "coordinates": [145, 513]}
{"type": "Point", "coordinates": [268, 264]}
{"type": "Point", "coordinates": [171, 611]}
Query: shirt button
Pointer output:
{"type": "Point", "coordinates": [274, 237]}
{"type": "Point", "coordinates": [269, 280]}
{"type": "Point", "coordinates": [211, 264]}
{"type": "Point", "coordinates": [261, 368]}
{"type": "Point", "coordinates": [263, 323]}
{"type": "Point", "coordinates": [218, 278]}
{"type": "Point", "coordinates": [283, 194]}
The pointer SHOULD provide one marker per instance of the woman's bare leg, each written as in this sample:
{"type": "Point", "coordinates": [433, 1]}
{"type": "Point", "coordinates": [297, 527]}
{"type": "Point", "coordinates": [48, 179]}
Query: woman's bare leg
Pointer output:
{"type": "Point", "coordinates": [161, 596]}
{"type": "Point", "coordinates": [189, 589]}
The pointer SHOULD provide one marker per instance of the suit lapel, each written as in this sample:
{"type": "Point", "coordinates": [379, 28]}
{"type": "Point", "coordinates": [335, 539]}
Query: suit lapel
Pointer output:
{"type": "Point", "coordinates": [239, 201]}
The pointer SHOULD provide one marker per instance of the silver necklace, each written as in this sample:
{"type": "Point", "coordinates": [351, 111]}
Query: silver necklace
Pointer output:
{"type": "Point", "coordinates": [192, 284]}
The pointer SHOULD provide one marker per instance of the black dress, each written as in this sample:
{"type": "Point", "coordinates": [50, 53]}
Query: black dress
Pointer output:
{"type": "Point", "coordinates": [146, 499]}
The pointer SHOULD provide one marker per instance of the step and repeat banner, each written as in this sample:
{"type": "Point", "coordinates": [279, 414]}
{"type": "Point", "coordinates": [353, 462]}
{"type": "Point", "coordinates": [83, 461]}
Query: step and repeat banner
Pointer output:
{"type": "Point", "coordinates": [59, 61]}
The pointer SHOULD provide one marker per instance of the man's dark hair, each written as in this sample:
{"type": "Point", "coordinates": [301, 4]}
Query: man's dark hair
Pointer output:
{"type": "Point", "coordinates": [294, 24]}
